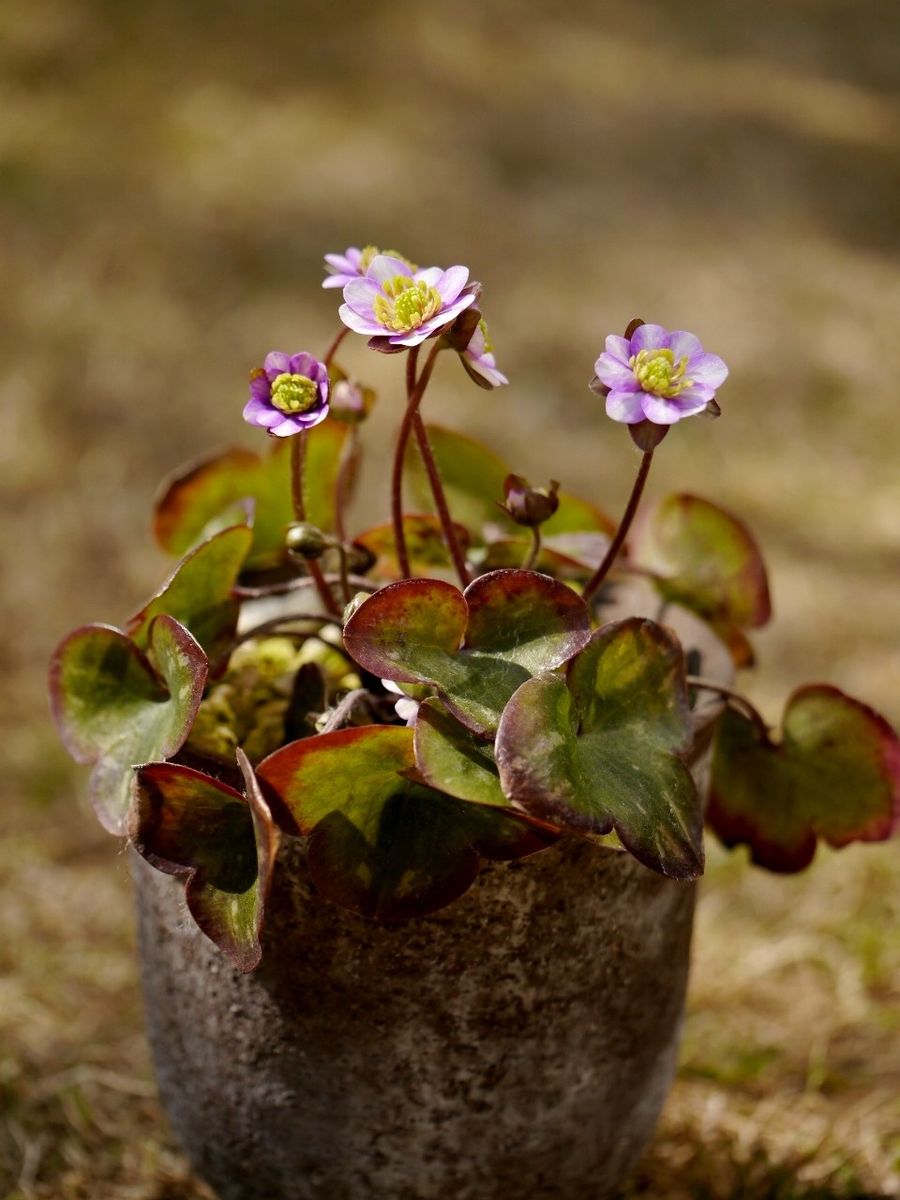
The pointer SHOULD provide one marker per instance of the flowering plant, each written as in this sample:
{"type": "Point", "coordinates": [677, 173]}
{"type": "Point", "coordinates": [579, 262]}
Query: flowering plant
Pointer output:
{"type": "Point", "coordinates": [493, 669]}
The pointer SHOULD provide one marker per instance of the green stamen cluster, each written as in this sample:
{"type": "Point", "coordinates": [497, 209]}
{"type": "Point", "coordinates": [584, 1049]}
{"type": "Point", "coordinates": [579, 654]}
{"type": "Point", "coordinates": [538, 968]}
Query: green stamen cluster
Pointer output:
{"type": "Point", "coordinates": [406, 304]}
{"type": "Point", "coordinates": [294, 393]}
{"type": "Point", "coordinates": [657, 372]}
{"type": "Point", "coordinates": [370, 252]}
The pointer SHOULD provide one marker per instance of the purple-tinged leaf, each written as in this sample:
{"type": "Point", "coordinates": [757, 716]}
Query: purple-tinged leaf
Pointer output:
{"type": "Point", "coordinates": [603, 750]}
{"type": "Point", "coordinates": [452, 759]}
{"type": "Point", "coordinates": [424, 544]}
{"type": "Point", "coordinates": [475, 647]}
{"type": "Point", "coordinates": [199, 593]}
{"type": "Point", "coordinates": [380, 842]}
{"type": "Point", "coordinates": [707, 560]}
{"type": "Point", "coordinates": [834, 775]}
{"type": "Point", "coordinates": [192, 500]}
{"type": "Point", "coordinates": [115, 710]}
{"type": "Point", "coordinates": [186, 823]}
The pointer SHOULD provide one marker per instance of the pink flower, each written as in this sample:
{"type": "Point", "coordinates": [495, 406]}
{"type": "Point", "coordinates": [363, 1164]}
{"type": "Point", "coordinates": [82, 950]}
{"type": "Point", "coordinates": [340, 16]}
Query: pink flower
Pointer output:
{"type": "Point", "coordinates": [288, 394]}
{"type": "Point", "coordinates": [354, 263]}
{"type": "Point", "coordinates": [478, 358]}
{"type": "Point", "coordinates": [657, 376]}
{"type": "Point", "coordinates": [402, 307]}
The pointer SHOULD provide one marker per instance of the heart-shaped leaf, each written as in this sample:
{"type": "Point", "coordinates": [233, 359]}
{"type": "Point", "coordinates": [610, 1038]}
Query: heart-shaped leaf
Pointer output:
{"type": "Point", "coordinates": [186, 823]}
{"type": "Point", "coordinates": [835, 775]}
{"type": "Point", "coordinates": [115, 711]}
{"type": "Point", "coordinates": [605, 751]}
{"type": "Point", "coordinates": [451, 758]}
{"type": "Point", "coordinates": [707, 560]}
{"type": "Point", "coordinates": [197, 495]}
{"type": "Point", "coordinates": [424, 543]}
{"type": "Point", "coordinates": [475, 647]}
{"type": "Point", "coordinates": [381, 843]}
{"type": "Point", "coordinates": [199, 593]}
{"type": "Point", "coordinates": [473, 477]}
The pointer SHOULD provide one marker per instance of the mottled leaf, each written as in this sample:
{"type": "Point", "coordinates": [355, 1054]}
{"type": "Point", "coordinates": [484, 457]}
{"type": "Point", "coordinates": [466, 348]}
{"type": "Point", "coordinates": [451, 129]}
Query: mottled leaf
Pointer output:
{"type": "Point", "coordinates": [380, 842]}
{"type": "Point", "coordinates": [451, 758]}
{"type": "Point", "coordinates": [192, 500]}
{"type": "Point", "coordinates": [604, 749]}
{"type": "Point", "coordinates": [186, 823]}
{"type": "Point", "coordinates": [834, 775]}
{"type": "Point", "coordinates": [115, 711]}
{"type": "Point", "coordinates": [707, 560]}
{"type": "Point", "coordinates": [424, 543]}
{"type": "Point", "coordinates": [475, 647]}
{"type": "Point", "coordinates": [199, 593]}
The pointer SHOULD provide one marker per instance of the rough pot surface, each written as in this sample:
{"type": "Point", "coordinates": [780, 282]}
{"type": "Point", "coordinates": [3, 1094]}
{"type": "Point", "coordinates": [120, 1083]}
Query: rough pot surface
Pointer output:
{"type": "Point", "coordinates": [518, 1044]}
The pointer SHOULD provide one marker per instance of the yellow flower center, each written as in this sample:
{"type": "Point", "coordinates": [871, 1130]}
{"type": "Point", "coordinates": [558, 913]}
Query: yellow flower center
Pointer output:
{"type": "Point", "coordinates": [488, 344]}
{"type": "Point", "coordinates": [294, 393]}
{"type": "Point", "coordinates": [657, 372]}
{"type": "Point", "coordinates": [405, 304]}
{"type": "Point", "coordinates": [370, 252]}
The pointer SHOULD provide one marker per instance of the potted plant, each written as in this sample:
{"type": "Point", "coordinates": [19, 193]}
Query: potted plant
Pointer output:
{"type": "Point", "coordinates": [417, 810]}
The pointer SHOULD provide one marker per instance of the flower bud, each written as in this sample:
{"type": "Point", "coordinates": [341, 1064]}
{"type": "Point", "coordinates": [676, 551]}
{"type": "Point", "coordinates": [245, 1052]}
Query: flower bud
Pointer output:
{"type": "Point", "coordinates": [529, 505]}
{"type": "Point", "coordinates": [350, 401]}
{"type": "Point", "coordinates": [306, 541]}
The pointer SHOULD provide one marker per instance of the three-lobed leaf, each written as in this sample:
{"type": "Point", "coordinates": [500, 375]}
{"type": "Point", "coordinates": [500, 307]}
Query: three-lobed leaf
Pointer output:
{"type": "Point", "coordinates": [707, 560]}
{"type": "Point", "coordinates": [425, 546]}
{"type": "Point", "coordinates": [186, 823]}
{"type": "Point", "coordinates": [380, 842]}
{"type": "Point", "coordinates": [834, 775]}
{"type": "Point", "coordinates": [476, 647]}
{"type": "Point", "coordinates": [115, 709]}
{"type": "Point", "coordinates": [604, 749]}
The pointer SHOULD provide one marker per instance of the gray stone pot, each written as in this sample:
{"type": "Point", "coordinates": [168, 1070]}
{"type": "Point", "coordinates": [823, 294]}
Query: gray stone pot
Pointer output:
{"type": "Point", "coordinates": [517, 1044]}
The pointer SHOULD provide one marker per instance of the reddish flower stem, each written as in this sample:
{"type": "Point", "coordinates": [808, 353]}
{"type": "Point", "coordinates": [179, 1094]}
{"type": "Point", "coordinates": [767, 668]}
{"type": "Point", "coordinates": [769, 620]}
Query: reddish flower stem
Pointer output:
{"type": "Point", "coordinates": [415, 390]}
{"type": "Point", "coordinates": [298, 460]}
{"type": "Point", "coordinates": [349, 452]}
{"type": "Point", "coordinates": [333, 348]}
{"type": "Point", "coordinates": [440, 501]}
{"type": "Point", "coordinates": [621, 533]}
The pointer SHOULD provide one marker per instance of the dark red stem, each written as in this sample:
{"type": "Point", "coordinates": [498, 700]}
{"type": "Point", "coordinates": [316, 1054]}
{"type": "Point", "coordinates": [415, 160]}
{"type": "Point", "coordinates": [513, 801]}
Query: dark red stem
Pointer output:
{"type": "Point", "coordinates": [622, 532]}
{"type": "Point", "coordinates": [298, 459]}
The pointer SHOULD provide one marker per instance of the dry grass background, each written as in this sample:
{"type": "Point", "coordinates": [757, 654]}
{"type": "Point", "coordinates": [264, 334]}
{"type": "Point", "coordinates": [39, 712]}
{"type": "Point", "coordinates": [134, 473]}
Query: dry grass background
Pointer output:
{"type": "Point", "coordinates": [169, 177]}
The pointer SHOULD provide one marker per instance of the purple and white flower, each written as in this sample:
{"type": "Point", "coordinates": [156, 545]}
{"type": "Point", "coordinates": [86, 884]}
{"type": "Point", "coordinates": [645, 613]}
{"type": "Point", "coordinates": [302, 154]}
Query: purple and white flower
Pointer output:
{"type": "Point", "coordinates": [658, 376]}
{"type": "Point", "coordinates": [403, 307]}
{"type": "Point", "coordinates": [288, 394]}
{"type": "Point", "coordinates": [353, 264]}
{"type": "Point", "coordinates": [478, 358]}
{"type": "Point", "coordinates": [405, 706]}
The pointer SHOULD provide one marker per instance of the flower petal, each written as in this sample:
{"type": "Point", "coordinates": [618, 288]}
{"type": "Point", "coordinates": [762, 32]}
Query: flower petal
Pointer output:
{"type": "Point", "coordinates": [257, 412]}
{"type": "Point", "coordinates": [619, 348]}
{"type": "Point", "coordinates": [707, 369]}
{"type": "Point", "coordinates": [649, 337]}
{"type": "Point", "coordinates": [625, 407]}
{"type": "Point", "coordinates": [615, 374]}
{"type": "Point", "coordinates": [430, 275]}
{"type": "Point", "coordinates": [277, 363]}
{"type": "Point", "coordinates": [360, 323]}
{"type": "Point", "coordinates": [360, 294]}
{"type": "Point", "coordinates": [337, 281]}
{"type": "Point", "coordinates": [452, 282]}
{"type": "Point", "coordinates": [384, 267]}
{"type": "Point", "coordinates": [659, 410]}
{"type": "Point", "coordinates": [682, 344]}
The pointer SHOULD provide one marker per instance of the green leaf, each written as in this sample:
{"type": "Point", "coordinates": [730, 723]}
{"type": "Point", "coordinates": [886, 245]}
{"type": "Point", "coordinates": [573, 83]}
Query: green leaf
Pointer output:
{"type": "Point", "coordinates": [605, 751]}
{"type": "Point", "coordinates": [380, 842]}
{"type": "Point", "coordinates": [115, 711]}
{"type": "Point", "coordinates": [707, 560]}
{"type": "Point", "coordinates": [453, 760]}
{"type": "Point", "coordinates": [424, 543]}
{"type": "Point", "coordinates": [191, 502]}
{"type": "Point", "coordinates": [186, 823]}
{"type": "Point", "coordinates": [512, 623]}
{"type": "Point", "coordinates": [835, 775]}
{"type": "Point", "coordinates": [199, 593]}
{"type": "Point", "coordinates": [473, 477]}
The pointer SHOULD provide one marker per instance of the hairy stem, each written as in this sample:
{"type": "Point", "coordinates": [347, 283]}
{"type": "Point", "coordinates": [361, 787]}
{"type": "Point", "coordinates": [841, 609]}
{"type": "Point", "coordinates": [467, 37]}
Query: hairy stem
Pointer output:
{"type": "Point", "coordinates": [349, 451]}
{"type": "Point", "coordinates": [415, 390]}
{"type": "Point", "coordinates": [333, 348]}
{"type": "Point", "coordinates": [733, 697]}
{"type": "Point", "coordinates": [298, 460]}
{"type": "Point", "coordinates": [440, 501]}
{"type": "Point", "coordinates": [534, 550]}
{"type": "Point", "coordinates": [622, 532]}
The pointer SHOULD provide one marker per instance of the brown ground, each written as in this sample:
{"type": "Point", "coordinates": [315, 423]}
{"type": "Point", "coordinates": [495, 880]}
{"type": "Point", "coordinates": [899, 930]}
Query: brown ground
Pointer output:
{"type": "Point", "coordinates": [171, 174]}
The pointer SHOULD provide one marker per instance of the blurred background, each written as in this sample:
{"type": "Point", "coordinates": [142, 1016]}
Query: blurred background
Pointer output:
{"type": "Point", "coordinates": [170, 176]}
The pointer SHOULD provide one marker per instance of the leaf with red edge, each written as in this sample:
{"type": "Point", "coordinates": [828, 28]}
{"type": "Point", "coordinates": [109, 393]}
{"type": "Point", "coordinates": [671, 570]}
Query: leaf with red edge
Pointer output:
{"type": "Point", "coordinates": [475, 647]}
{"type": "Point", "coordinates": [191, 502]}
{"type": "Point", "coordinates": [424, 543]}
{"type": "Point", "coordinates": [199, 593]}
{"type": "Point", "coordinates": [115, 710]}
{"type": "Point", "coordinates": [834, 775]}
{"type": "Point", "coordinates": [380, 842]}
{"type": "Point", "coordinates": [186, 823]}
{"type": "Point", "coordinates": [707, 560]}
{"type": "Point", "coordinates": [604, 749]}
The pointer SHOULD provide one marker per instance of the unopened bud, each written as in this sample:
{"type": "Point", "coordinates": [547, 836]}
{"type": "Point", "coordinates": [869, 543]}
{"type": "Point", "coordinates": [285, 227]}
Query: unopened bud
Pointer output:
{"type": "Point", "coordinates": [528, 505]}
{"type": "Point", "coordinates": [306, 541]}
